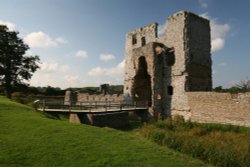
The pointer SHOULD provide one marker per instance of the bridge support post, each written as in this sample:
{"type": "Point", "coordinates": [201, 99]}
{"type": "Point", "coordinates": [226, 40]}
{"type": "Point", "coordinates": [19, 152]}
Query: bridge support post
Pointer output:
{"type": "Point", "coordinates": [74, 118]}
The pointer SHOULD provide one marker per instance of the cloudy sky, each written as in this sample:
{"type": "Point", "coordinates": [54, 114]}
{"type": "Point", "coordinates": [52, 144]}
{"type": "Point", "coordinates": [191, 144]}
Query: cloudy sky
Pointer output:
{"type": "Point", "coordinates": [81, 42]}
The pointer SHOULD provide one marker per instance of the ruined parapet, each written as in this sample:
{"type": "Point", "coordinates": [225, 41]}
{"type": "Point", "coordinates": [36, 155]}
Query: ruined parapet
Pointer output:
{"type": "Point", "coordinates": [104, 88]}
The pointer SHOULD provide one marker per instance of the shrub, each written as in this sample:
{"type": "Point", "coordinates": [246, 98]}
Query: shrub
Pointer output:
{"type": "Point", "coordinates": [19, 97]}
{"type": "Point", "coordinates": [221, 145]}
{"type": "Point", "coordinates": [157, 136]}
{"type": "Point", "coordinates": [165, 124]}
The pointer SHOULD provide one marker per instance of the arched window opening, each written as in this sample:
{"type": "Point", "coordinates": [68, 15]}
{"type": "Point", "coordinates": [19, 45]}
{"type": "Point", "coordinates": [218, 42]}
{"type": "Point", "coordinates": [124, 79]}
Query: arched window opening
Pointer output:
{"type": "Point", "coordinates": [141, 88]}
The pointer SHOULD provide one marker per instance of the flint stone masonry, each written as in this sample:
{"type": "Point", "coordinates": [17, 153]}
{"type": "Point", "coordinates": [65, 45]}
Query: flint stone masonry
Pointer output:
{"type": "Point", "coordinates": [226, 108]}
{"type": "Point", "coordinates": [85, 97]}
{"type": "Point", "coordinates": [189, 34]}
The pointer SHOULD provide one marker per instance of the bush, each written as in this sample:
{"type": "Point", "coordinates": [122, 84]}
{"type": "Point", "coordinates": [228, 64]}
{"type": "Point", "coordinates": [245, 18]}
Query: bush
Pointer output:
{"type": "Point", "coordinates": [19, 97]}
{"type": "Point", "coordinates": [165, 124]}
{"type": "Point", "coordinates": [221, 145]}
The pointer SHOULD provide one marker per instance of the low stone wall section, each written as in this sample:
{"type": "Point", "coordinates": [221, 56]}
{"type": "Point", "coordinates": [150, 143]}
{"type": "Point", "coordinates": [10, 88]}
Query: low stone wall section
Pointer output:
{"type": "Point", "coordinates": [225, 108]}
{"type": "Point", "coordinates": [84, 97]}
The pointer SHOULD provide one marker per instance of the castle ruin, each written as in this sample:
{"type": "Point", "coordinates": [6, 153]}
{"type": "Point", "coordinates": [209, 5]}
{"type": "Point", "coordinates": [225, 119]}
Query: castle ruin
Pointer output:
{"type": "Point", "coordinates": [172, 73]}
{"type": "Point", "coordinates": [161, 77]}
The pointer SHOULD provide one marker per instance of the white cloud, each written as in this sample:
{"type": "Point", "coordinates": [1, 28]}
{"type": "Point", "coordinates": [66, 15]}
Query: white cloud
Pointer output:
{"type": "Point", "coordinates": [40, 40]}
{"type": "Point", "coordinates": [113, 71]}
{"type": "Point", "coordinates": [217, 44]}
{"type": "Point", "coordinates": [65, 68]}
{"type": "Point", "coordinates": [71, 79]}
{"type": "Point", "coordinates": [219, 30]}
{"type": "Point", "coordinates": [10, 25]}
{"type": "Point", "coordinates": [218, 33]}
{"type": "Point", "coordinates": [55, 75]}
{"type": "Point", "coordinates": [107, 57]}
{"type": "Point", "coordinates": [96, 71]}
{"type": "Point", "coordinates": [82, 54]}
{"type": "Point", "coordinates": [203, 3]}
{"type": "Point", "coordinates": [61, 40]}
{"type": "Point", "coordinates": [121, 65]}
{"type": "Point", "coordinates": [54, 67]}
{"type": "Point", "coordinates": [49, 67]}
{"type": "Point", "coordinates": [43, 40]}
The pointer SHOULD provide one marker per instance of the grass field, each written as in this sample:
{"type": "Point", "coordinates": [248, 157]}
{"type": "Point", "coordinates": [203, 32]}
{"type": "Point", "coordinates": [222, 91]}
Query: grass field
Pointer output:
{"type": "Point", "coordinates": [28, 138]}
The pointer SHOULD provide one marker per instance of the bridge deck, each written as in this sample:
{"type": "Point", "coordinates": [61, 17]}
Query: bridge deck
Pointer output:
{"type": "Point", "coordinates": [92, 110]}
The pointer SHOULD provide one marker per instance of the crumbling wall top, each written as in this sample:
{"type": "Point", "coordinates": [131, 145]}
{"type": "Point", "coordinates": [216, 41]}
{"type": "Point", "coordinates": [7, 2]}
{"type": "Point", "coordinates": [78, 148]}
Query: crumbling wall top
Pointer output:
{"type": "Point", "coordinates": [185, 14]}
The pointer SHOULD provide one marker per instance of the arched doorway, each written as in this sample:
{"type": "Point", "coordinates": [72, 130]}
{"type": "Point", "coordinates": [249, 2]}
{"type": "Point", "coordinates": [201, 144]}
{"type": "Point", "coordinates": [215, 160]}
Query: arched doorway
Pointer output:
{"type": "Point", "coordinates": [141, 89]}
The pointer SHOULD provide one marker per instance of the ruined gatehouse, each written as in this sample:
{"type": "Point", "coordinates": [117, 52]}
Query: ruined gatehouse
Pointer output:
{"type": "Point", "coordinates": [172, 73]}
{"type": "Point", "coordinates": [161, 77]}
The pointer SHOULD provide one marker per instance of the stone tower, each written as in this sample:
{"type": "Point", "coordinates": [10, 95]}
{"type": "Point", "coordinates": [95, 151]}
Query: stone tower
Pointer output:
{"type": "Point", "coordinates": [155, 74]}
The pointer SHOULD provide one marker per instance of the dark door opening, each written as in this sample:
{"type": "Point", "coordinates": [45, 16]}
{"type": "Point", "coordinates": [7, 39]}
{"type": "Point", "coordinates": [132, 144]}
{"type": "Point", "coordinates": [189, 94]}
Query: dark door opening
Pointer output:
{"type": "Point", "coordinates": [141, 89]}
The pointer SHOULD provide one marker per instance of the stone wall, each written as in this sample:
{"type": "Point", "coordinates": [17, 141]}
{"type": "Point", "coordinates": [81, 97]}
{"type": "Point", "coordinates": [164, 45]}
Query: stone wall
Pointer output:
{"type": "Point", "coordinates": [226, 108]}
{"type": "Point", "coordinates": [149, 33]}
{"type": "Point", "coordinates": [85, 97]}
{"type": "Point", "coordinates": [175, 37]}
{"type": "Point", "coordinates": [198, 57]}
{"type": "Point", "coordinates": [78, 97]}
{"type": "Point", "coordinates": [189, 34]}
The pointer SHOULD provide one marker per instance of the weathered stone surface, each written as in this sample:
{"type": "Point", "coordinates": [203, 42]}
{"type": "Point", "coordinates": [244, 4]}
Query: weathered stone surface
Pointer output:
{"type": "Point", "coordinates": [225, 108]}
{"type": "Point", "coordinates": [74, 118]}
{"type": "Point", "coordinates": [189, 69]}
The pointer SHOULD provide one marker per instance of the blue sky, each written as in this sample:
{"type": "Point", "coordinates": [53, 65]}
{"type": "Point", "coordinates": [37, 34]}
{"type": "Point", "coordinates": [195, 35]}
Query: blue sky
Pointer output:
{"type": "Point", "coordinates": [81, 42]}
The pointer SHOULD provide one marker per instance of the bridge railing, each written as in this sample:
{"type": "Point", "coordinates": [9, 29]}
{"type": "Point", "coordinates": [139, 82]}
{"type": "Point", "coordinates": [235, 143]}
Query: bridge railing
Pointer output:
{"type": "Point", "coordinates": [91, 105]}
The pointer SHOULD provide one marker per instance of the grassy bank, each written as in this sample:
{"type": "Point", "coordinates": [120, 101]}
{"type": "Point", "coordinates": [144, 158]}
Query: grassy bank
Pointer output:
{"type": "Point", "coordinates": [221, 145]}
{"type": "Point", "coordinates": [28, 138]}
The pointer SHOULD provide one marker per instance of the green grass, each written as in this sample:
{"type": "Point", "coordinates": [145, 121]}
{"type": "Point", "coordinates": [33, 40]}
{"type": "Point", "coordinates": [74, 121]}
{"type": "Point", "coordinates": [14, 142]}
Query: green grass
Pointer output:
{"type": "Point", "coordinates": [28, 138]}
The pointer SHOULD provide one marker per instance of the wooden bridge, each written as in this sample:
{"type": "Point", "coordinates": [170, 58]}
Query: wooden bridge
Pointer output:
{"type": "Point", "coordinates": [98, 113]}
{"type": "Point", "coordinates": [91, 106]}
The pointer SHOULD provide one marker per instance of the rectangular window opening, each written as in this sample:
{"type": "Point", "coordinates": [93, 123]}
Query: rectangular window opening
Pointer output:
{"type": "Point", "coordinates": [134, 40]}
{"type": "Point", "coordinates": [143, 41]}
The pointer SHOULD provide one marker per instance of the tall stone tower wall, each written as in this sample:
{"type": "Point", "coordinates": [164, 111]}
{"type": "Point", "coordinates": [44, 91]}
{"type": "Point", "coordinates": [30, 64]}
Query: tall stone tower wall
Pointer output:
{"type": "Point", "coordinates": [198, 57]}
{"type": "Point", "coordinates": [175, 37]}
{"type": "Point", "coordinates": [189, 34]}
{"type": "Point", "coordinates": [135, 39]}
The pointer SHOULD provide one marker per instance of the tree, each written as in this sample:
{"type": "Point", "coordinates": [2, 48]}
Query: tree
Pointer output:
{"type": "Point", "coordinates": [243, 85]}
{"type": "Point", "coordinates": [14, 66]}
{"type": "Point", "coordinates": [218, 89]}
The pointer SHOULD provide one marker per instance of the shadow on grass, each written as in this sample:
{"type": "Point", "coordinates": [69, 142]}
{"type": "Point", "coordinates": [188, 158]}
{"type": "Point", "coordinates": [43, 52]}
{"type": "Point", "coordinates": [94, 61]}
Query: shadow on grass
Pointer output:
{"type": "Point", "coordinates": [55, 116]}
